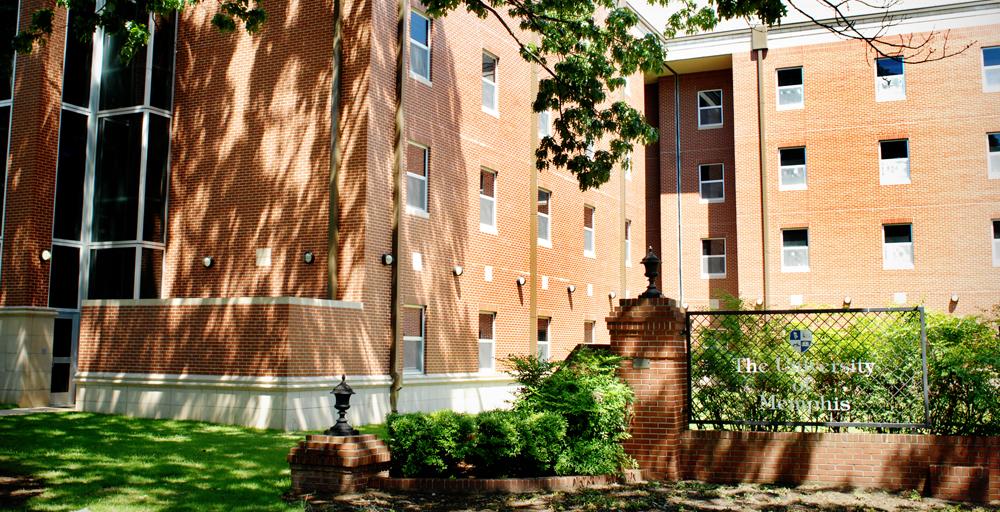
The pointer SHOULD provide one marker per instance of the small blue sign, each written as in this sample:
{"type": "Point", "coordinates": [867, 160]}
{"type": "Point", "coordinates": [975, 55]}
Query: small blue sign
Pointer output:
{"type": "Point", "coordinates": [800, 339]}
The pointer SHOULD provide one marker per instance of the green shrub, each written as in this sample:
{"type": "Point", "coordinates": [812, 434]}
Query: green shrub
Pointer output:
{"type": "Point", "coordinates": [429, 445]}
{"type": "Point", "coordinates": [963, 373]}
{"type": "Point", "coordinates": [517, 443]}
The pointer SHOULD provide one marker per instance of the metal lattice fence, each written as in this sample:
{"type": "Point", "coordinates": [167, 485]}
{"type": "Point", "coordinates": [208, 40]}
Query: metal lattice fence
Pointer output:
{"type": "Point", "coordinates": [769, 370]}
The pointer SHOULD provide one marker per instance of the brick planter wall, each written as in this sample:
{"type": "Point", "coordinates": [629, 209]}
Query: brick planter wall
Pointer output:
{"type": "Point", "coordinates": [337, 464]}
{"type": "Point", "coordinates": [649, 333]}
{"type": "Point", "coordinates": [498, 485]}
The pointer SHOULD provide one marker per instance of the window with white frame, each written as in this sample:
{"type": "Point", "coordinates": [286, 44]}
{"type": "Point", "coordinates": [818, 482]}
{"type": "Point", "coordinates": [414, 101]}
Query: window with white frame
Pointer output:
{"type": "Point", "coordinates": [420, 46]}
{"type": "Point", "coordinates": [487, 201]}
{"type": "Point", "coordinates": [991, 69]}
{"type": "Point", "coordinates": [417, 163]}
{"type": "Point", "coordinates": [897, 246]}
{"type": "Point", "coordinates": [795, 250]}
{"type": "Point", "coordinates": [544, 124]}
{"type": "Point", "coordinates": [791, 93]}
{"type": "Point", "coordinates": [414, 330]}
{"type": "Point", "coordinates": [628, 243]}
{"type": "Point", "coordinates": [588, 231]}
{"type": "Point", "coordinates": [890, 82]}
{"type": "Point", "coordinates": [490, 101]}
{"type": "Point", "coordinates": [487, 342]}
{"type": "Point", "coordinates": [792, 174]}
{"type": "Point", "coordinates": [588, 331]}
{"type": "Point", "coordinates": [8, 28]}
{"type": "Point", "coordinates": [713, 258]}
{"type": "Point", "coordinates": [993, 150]}
{"type": "Point", "coordinates": [996, 243]}
{"type": "Point", "coordinates": [711, 183]}
{"type": "Point", "coordinates": [544, 342]}
{"type": "Point", "coordinates": [894, 162]}
{"type": "Point", "coordinates": [544, 227]}
{"type": "Point", "coordinates": [710, 109]}
{"type": "Point", "coordinates": [627, 165]}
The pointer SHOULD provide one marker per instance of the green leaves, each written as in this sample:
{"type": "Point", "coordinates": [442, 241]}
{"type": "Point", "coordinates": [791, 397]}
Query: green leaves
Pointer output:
{"type": "Point", "coordinates": [231, 11]}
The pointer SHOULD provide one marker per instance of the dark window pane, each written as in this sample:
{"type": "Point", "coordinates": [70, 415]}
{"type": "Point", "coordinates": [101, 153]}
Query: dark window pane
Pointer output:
{"type": "Point", "coordinates": [991, 56]}
{"type": "Point", "coordinates": [588, 217]}
{"type": "Point", "coordinates": [791, 76]}
{"type": "Point", "coordinates": [893, 149]}
{"type": "Point", "coordinates": [123, 83]}
{"type": "Point", "coordinates": [162, 81]}
{"type": "Point", "coordinates": [419, 26]}
{"type": "Point", "coordinates": [543, 330]}
{"type": "Point", "coordinates": [711, 172]}
{"type": "Point", "coordinates": [898, 233]}
{"type": "Point", "coordinates": [889, 66]}
{"type": "Point", "coordinates": [994, 139]}
{"type": "Point", "coordinates": [157, 161]}
{"type": "Point", "coordinates": [486, 326]}
{"type": "Point", "coordinates": [76, 67]}
{"type": "Point", "coordinates": [151, 274]}
{"type": "Point", "coordinates": [4, 132]}
{"type": "Point", "coordinates": [116, 181]}
{"type": "Point", "coordinates": [8, 27]}
{"type": "Point", "coordinates": [716, 247]}
{"type": "Point", "coordinates": [64, 277]}
{"type": "Point", "coordinates": [60, 378]}
{"type": "Point", "coordinates": [413, 322]}
{"type": "Point", "coordinates": [543, 202]}
{"type": "Point", "coordinates": [709, 98]}
{"type": "Point", "coordinates": [416, 160]}
{"type": "Point", "coordinates": [69, 177]}
{"type": "Point", "coordinates": [62, 338]}
{"type": "Point", "coordinates": [487, 181]}
{"type": "Point", "coordinates": [793, 156]}
{"type": "Point", "coordinates": [489, 67]}
{"type": "Point", "coordinates": [112, 273]}
{"type": "Point", "coordinates": [795, 238]}
{"type": "Point", "coordinates": [996, 230]}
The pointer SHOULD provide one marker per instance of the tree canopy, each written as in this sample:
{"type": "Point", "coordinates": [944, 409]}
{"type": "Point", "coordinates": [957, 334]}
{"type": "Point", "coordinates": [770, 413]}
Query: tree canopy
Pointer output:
{"type": "Point", "coordinates": [585, 49]}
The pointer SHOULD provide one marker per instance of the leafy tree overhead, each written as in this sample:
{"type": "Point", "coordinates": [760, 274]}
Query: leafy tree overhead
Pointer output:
{"type": "Point", "coordinates": [583, 48]}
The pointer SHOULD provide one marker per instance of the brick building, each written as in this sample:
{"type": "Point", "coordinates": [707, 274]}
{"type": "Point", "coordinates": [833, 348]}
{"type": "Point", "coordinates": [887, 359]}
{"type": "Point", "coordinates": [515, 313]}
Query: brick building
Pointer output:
{"type": "Point", "coordinates": [882, 179]}
{"type": "Point", "coordinates": [202, 233]}
{"type": "Point", "coordinates": [209, 231]}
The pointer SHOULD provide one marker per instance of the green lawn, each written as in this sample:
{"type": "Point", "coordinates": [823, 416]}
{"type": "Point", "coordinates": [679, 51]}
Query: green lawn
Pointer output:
{"type": "Point", "coordinates": [105, 463]}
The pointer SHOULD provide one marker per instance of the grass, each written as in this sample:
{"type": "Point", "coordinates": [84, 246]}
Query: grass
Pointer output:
{"type": "Point", "coordinates": [104, 463]}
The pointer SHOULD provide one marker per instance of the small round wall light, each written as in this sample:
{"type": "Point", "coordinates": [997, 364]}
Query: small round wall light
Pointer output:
{"type": "Point", "coordinates": [387, 259]}
{"type": "Point", "coordinates": [208, 261]}
{"type": "Point", "coordinates": [760, 301]}
{"type": "Point", "coordinates": [954, 298]}
{"type": "Point", "coordinates": [520, 280]}
{"type": "Point", "coordinates": [46, 255]}
{"type": "Point", "coordinates": [308, 257]}
{"type": "Point", "coordinates": [457, 270]}
{"type": "Point", "coordinates": [571, 288]}
{"type": "Point", "coordinates": [612, 295]}
{"type": "Point", "coordinates": [685, 306]}
{"type": "Point", "coordinates": [847, 300]}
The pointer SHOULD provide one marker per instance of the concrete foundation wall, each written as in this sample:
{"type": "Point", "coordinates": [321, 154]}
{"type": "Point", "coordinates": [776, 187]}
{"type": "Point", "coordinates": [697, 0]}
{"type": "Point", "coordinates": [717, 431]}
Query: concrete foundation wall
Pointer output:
{"type": "Point", "coordinates": [26, 356]}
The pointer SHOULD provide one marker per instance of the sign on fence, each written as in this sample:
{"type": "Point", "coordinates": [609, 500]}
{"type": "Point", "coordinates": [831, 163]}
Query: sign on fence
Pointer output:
{"type": "Point", "coordinates": [819, 367]}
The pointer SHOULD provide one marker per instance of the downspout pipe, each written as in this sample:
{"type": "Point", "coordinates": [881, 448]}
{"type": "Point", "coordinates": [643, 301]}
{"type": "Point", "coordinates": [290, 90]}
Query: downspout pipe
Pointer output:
{"type": "Point", "coordinates": [758, 42]}
{"type": "Point", "coordinates": [399, 163]}
{"type": "Point", "coordinates": [333, 222]}
{"type": "Point", "coordinates": [677, 163]}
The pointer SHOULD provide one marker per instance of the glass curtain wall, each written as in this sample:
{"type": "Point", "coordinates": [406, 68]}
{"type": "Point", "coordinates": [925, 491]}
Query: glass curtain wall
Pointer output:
{"type": "Point", "coordinates": [111, 180]}
{"type": "Point", "coordinates": [8, 28]}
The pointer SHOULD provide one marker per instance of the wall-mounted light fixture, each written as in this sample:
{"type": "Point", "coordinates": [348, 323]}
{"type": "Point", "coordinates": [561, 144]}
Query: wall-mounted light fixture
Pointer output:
{"type": "Point", "coordinates": [612, 295]}
{"type": "Point", "coordinates": [208, 261]}
{"type": "Point", "coordinates": [685, 306]}
{"type": "Point", "coordinates": [847, 300]}
{"type": "Point", "coordinates": [46, 255]}
{"type": "Point", "coordinates": [520, 280]}
{"type": "Point", "coordinates": [571, 288]}
{"type": "Point", "coordinates": [308, 257]}
{"type": "Point", "coordinates": [457, 270]}
{"type": "Point", "coordinates": [387, 259]}
{"type": "Point", "coordinates": [760, 301]}
{"type": "Point", "coordinates": [954, 298]}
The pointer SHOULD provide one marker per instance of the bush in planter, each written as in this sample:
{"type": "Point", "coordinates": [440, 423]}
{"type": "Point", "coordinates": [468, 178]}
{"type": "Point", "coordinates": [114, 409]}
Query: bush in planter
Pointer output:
{"type": "Point", "coordinates": [429, 445]}
{"type": "Point", "coordinates": [594, 402]}
{"type": "Point", "coordinates": [517, 443]}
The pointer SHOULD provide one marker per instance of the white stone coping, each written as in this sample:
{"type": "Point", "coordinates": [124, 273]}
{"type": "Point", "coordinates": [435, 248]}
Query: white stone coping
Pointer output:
{"type": "Point", "coordinates": [228, 301]}
{"type": "Point", "coordinates": [27, 311]}
{"type": "Point", "coordinates": [279, 384]}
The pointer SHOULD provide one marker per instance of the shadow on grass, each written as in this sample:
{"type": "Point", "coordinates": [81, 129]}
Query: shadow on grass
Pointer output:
{"type": "Point", "coordinates": [104, 462]}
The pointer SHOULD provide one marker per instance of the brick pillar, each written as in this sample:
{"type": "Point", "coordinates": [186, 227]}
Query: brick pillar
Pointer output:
{"type": "Point", "coordinates": [337, 464]}
{"type": "Point", "coordinates": [649, 333]}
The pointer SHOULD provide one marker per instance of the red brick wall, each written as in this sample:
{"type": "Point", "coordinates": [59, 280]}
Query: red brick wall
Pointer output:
{"type": "Point", "coordinates": [31, 166]}
{"type": "Point", "coordinates": [950, 200]}
{"type": "Point", "coordinates": [699, 219]}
